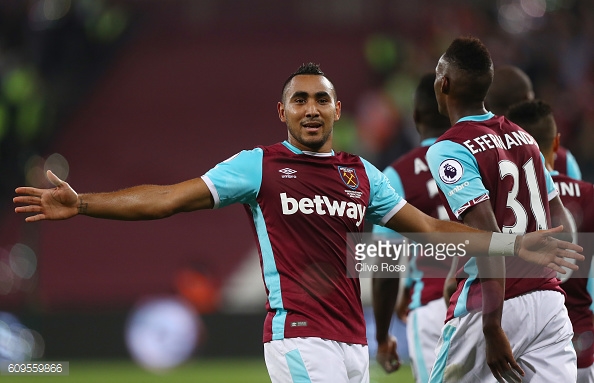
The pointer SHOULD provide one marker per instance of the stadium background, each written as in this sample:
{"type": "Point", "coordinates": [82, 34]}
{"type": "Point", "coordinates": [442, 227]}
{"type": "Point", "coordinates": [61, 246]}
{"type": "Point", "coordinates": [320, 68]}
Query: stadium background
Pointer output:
{"type": "Point", "coordinates": [117, 93]}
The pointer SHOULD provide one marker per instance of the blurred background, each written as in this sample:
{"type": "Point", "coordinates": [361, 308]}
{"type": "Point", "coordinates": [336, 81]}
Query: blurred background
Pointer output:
{"type": "Point", "coordinates": [110, 94]}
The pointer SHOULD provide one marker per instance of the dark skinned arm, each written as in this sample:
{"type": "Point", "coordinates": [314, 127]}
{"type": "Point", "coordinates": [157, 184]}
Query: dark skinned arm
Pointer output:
{"type": "Point", "coordinates": [499, 353]}
{"type": "Point", "coordinates": [384, 294]}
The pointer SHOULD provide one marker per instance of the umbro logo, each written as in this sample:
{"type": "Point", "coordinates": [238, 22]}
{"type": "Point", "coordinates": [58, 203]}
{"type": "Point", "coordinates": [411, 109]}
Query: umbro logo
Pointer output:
{"type": "Point", "coordinates": [288, 173]}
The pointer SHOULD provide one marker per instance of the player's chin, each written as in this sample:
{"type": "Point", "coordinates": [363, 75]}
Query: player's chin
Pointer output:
{"type": "Point", "coordinates": [314, 142]}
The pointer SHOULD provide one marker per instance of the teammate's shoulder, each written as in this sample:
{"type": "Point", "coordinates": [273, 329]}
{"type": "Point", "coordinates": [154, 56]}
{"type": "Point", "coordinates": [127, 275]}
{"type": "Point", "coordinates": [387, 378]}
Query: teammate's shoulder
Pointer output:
{"type": "Point", "coordinates": [409, 159]}
{"type": "Point", "coordinates": [411, 155]}
{"type": "Point", "coordinates": [569, 185]}
{"type": "Point", "coordinates": [565, 178]}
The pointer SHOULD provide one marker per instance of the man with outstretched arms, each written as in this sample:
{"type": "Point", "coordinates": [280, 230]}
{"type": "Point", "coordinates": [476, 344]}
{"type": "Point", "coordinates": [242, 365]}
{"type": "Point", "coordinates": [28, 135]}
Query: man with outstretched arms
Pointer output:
{"type": "Point", "coordinates": [303, 199]}
{"type": "Point", "coordinates": [536, 117]}
{"type": "Point", "coordinates": [508, 314]}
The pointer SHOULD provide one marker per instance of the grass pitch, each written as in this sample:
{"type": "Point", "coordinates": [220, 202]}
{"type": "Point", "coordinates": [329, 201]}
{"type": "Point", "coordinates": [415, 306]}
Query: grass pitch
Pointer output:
{"type": "Point", "coordinates": [195, 371]}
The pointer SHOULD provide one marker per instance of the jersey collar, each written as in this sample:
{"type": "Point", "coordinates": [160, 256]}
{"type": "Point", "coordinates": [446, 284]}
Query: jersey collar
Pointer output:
{"type": "Point", "coordinates": [299, 151]}
{"type": "Point", "coordinates": [480, 117]}
{"type": "Point", "coordinates": [428, 141]}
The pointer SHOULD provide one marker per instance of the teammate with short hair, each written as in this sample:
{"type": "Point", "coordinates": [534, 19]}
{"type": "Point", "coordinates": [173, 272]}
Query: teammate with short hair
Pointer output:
{"type": "Point", "coordinates": [492, 176]}
{"type": "Point", "coordinates": [411, 178]}
{"type": "Point", "coordinates": [536, 117]}
{"type": "Point", "coordinates": [303, 199]}
{"type": "Point", "coordinates": [512, 85]}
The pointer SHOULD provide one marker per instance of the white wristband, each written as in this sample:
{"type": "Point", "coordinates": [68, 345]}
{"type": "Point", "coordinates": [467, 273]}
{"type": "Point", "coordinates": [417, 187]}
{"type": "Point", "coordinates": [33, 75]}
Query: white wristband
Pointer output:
{"type": "Point", "coordinates": [502, 244]}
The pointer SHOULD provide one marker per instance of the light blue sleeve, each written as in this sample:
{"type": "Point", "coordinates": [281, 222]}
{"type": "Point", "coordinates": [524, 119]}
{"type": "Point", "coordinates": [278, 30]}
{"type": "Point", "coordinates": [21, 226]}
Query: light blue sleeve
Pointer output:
{"type": "Point", "coordinates": [396, 183]}
{"type": "Point", "coordinates": [383, 199]}
{"type": "Point", "coordinates": [237, 179]}
{"type": "Point", "coordinates": [573, 169]}
{"type": "Point", "coordinates": [456, 173]}
{"type": "Point", "coordinates": [551, 189]}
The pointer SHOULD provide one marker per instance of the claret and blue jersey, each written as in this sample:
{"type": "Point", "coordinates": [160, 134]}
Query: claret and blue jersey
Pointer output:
{"type": "Point", "coordinates": [578, 197]}
{"type": "Point", "coordinates": [302, 205]}
{"type": "Point", "coordinates": [488, 158]}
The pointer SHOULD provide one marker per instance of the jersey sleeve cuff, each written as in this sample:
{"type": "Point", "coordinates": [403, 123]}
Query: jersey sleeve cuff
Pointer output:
{"type": "Point", "coordinates": [470, 204]}
{"type": "Point", "coordinates": [553, 194]}
{"type": "Point", "coordinates": [213, 191]}
{"type": "Point", "coordinates": [391, 213]}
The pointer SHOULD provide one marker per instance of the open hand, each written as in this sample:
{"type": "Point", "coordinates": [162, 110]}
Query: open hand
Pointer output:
{"type": "Point", "coordinates": [59, 202]}
{"type": "Point", "coordinates": [542, 248]}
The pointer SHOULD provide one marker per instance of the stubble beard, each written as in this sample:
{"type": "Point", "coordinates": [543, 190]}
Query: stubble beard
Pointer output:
{"type": "Point", "coordinates": [312, 143]}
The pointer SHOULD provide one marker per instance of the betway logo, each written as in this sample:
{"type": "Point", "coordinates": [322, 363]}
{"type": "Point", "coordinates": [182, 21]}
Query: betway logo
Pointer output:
{"type": "Point", "coordinates": [322, 205]}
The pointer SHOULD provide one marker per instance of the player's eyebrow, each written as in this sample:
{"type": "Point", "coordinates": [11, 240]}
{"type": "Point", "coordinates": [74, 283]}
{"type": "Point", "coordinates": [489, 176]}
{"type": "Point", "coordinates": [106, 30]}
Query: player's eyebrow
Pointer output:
{"type": "Point", "coordinates": [317, 95]}
{"type": "Point", "coordinates": [300, 94]}
{"type": "Point", "coordinates": [322, 95]}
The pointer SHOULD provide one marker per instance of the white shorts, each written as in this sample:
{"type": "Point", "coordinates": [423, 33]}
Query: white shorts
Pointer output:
{"type": "Point", "coordinates": [423, 329]}
{"type": "Point", "coordinates": [538, 329]}
{"type": "Point", "coordinates": [585, 375]}
{"type": "Point", "coordinates": [316, 360]}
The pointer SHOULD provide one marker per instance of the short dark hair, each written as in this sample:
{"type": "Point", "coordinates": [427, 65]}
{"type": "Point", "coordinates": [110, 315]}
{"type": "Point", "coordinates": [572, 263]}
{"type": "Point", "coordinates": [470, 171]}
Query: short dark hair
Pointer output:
{"type": "Point", "coordinates": [535, 117]}
{"type": "Point", "coordinates": [305, 69]}
{"type": "Point", "coordinates": [426, 107]}
{"type": "Point", "coordinates": [470, 55]}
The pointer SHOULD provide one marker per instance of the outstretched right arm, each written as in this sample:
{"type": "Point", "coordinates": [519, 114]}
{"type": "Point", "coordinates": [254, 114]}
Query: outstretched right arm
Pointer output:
{"type": "Point", "coordinates": [143, 202]}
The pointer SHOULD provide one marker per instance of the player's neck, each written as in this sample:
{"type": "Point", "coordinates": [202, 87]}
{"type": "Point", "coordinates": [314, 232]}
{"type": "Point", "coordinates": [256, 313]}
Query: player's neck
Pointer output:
{"type": "Point", "coordinates": [549, 160]}
{"type": "Point", "coordinates": [460, 112]}
{"type": "Point", "coordinates": [325, 148]}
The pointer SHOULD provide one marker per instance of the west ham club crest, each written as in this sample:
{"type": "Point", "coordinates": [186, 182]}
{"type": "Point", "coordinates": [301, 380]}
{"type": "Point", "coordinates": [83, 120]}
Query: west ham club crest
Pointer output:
{"type": "Point", "coordinates": [348, 176]}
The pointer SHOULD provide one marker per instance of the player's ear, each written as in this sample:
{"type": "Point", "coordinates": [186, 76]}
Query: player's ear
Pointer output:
{"type": "Point", "coordinates": [444, 85]}
{"type": "Point", "coordinates": [337, 111]}
{"type": "Point", "coordinates": [280, 107]}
